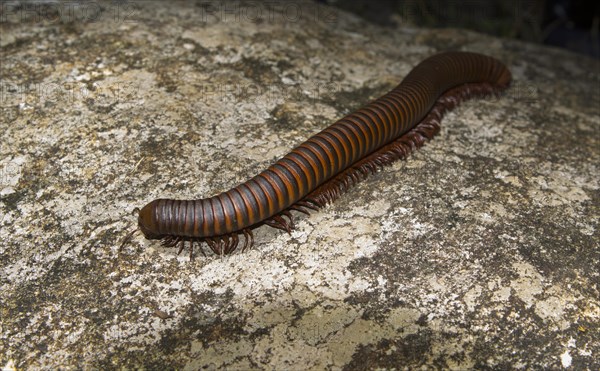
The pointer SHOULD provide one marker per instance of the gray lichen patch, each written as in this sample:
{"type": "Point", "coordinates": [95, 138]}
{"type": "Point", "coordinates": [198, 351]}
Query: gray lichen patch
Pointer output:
{"type": "Point", "coordinates": [479, 251]}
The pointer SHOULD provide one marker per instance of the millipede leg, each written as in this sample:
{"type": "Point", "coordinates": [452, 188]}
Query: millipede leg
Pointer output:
{"type": "Point", "coordinates": [220, 246]}
{"type": "Point", "coordinates": [309, 204]}
{"type": "Point", "coordinates": [246, 239]}
{"type": "Point", "coordinates": [236, 241]}
{"type": "Point", "coordinates": [278, 222]}
{"type": "Point", "coordinates": [211, 244]}
{"type": "Point", "coordinates": [227, 244]}
{"type": "Point", "coordinates": [201, 249]}
{"type": "Point", "coordinates": [249, 239]}
{"type": "Point", "coordinates": [290, 217]}
{"type": "Point", "coordinates": [299, 208]}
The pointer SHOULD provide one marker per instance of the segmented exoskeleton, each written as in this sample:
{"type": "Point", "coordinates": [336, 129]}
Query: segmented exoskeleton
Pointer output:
{"type": "Point", "coordinates": [324, 166]}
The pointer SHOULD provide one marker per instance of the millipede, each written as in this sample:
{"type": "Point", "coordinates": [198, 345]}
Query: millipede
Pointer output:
{"type": "Point", "coordinates": [326, 165]}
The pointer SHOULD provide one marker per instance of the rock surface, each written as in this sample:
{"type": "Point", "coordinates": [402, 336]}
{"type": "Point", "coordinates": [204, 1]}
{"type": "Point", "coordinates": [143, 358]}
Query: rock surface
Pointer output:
{"type": "Point", "coordinates": [481, 250]}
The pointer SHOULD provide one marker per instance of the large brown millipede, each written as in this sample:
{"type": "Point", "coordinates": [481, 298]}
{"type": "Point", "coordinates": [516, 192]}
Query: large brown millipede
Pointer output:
{"type": "Point", "coordinates": [328, 163]}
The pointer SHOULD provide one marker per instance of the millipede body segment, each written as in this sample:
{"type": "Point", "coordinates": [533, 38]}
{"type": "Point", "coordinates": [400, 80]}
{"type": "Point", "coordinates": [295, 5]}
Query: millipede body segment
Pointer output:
{"type": "Point", "coordinates": [318, 170]}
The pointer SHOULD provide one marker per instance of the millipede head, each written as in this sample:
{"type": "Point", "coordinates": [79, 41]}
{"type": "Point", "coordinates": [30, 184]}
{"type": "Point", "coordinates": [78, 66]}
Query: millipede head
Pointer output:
{"type": "Point", "coordinates": [147, 222]}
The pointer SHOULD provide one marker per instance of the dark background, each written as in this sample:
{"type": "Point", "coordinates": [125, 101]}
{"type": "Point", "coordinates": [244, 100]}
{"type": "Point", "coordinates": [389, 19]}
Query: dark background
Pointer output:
{"type": "Point", "coordinates": [568, 24]}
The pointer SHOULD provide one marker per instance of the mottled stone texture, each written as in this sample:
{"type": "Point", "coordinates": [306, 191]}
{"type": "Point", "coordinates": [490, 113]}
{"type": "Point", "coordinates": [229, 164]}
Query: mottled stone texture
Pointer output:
{"type": "Point", "coordinates": [479, 251]}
